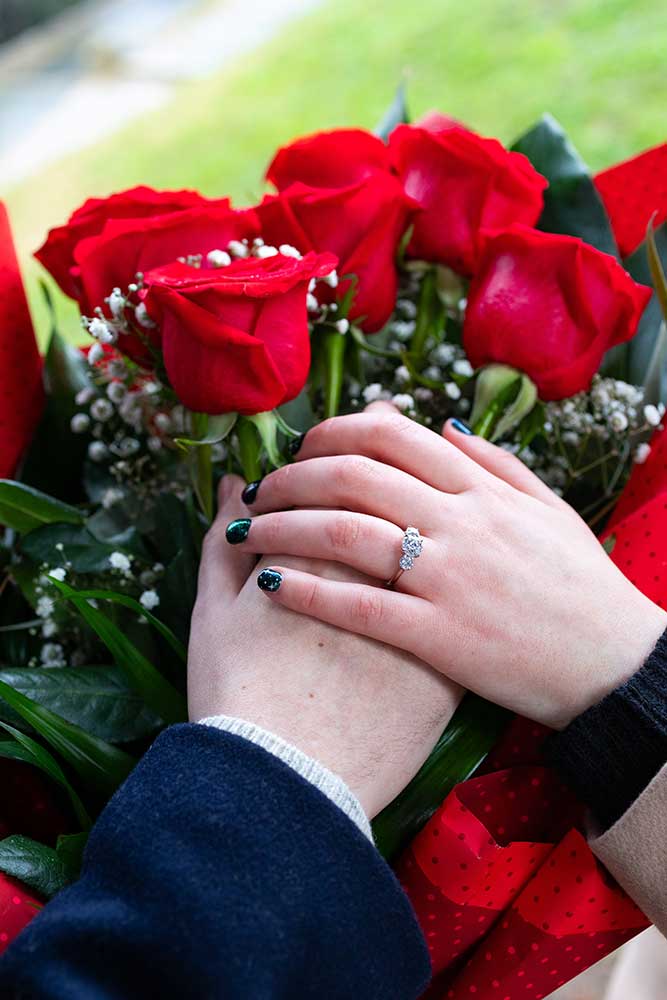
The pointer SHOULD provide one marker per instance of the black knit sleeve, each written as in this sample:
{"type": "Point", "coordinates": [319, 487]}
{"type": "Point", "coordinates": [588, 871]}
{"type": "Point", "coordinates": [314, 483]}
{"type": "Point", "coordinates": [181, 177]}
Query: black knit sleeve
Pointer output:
{"type": "Point", "coordinates": [611, 752]}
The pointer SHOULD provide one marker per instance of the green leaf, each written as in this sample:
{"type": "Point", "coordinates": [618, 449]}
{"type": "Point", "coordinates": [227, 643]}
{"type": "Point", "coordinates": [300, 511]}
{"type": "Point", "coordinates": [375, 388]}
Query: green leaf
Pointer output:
{"type": "Point", "coordinates": [34, 864]}
{"type": "Point", "coordinates": [470, 735]}
{"type": "Point", "coordinates": [157, 692]}
{"type": "Point", "coordinates": [28, 750]}
{"type": "Point", "coordinates": [503, 397]}
{"type": "Point", "coordinates": [218, 428]}
{"type": "Point", "coordinates": [571, 202]}
{"type": "Point", "coordinates": [656, 269]}
{"type": "Point", "coordinates": [56, 456]}
{"type": "Point", "coordinates": [396, 113]}
{"type": "Point", "coordinates": [24, 508]}
{"type": "Point", "coordinates": [98, 699]}
{"type": "Point", "coordinates": [640, 359]}
{"type": "Point", "coordinates": [129, 602]}
{"type": "Point", "coordinates": [267, 429]}
{"type": "Point", "coordinates": [298, 413]}
{"type": "Point", "coordinates": [70, 848]}
{"type": "Point", "coordinates": [79, 547]}
{"type": "Point", "coordinates": [101, 766]}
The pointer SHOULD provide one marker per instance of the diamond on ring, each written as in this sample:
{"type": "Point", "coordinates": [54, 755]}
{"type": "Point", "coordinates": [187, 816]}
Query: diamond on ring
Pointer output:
{"type": "Point", "coordinates": [412, 549]}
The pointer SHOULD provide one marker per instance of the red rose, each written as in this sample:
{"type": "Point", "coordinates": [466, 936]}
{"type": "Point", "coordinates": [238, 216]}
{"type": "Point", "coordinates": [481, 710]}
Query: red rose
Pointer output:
{"type": "Point", "coordinates": [550, 306]}
{"type": "Point", "coordinates": [337, 194]}
{"type": "Point", "coordinates": [464, 183]}
{"type": "Point", "coordinates": [57, 253]}
{"type": "Point", "coordinates": [236, 338]}
{"type": "Point", "coordinates": [632, 192]}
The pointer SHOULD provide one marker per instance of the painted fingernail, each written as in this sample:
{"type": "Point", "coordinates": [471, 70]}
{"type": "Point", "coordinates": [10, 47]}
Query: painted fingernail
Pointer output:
{"type": "Point", "coordinates": [249, 494]}
{"type": "Point", "coordinates": [269, 580]}
{"type": "Point", "coordinates": [237, 531]}
{"type": "Point", "coordinates": [460, 426]}
{"type": "Point", "coordinates": [295, 444]}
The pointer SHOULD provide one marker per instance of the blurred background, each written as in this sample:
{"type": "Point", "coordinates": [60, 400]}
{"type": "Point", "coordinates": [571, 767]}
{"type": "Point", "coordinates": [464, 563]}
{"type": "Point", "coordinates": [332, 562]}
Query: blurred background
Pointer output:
{"type": "Point", "coordinates": [98, 95]}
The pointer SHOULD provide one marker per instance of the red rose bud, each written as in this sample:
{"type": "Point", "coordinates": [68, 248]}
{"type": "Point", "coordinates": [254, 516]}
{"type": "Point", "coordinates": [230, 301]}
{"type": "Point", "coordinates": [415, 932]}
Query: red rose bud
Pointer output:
{"type": "Point", "coordinates": [58, 252]}
{"type": "Point", "coordinates": [464, 183]}
{"type": "Point", "coordinates": [236, 338]}
{"type": "Point", "coordinates": [550, 306]}
{"type": "Point", "coordinates": [632, 192]}
{"type": "Point", "coordinates": [21, 393]}
{"type": "Point", "coordinates": [337, 194]}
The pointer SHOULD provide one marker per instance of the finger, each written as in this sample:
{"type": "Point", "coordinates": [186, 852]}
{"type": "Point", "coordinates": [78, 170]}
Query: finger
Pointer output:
{"type": "Point", "coordinates": [367, 544]}
{"type": "Point", "coordinates": [400, 620]}
{"type": "Point", "coordinates": [224, 568]}
{"type": "Point", "coordinates": [357, 483]}
{"type": "Point", "coordinates": [383, 434]}
{"type": "Point", "coordinates": [500, 463]}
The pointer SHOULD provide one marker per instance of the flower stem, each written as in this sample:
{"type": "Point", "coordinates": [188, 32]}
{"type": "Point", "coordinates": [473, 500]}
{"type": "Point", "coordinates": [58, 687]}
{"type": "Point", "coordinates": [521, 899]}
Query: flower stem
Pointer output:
{"type": "Point", "coordinates": [202, 467]}
{"type": "Point", "coordinates": [334, 354]}
{"type": "Point", "coordinates": [249, 448]}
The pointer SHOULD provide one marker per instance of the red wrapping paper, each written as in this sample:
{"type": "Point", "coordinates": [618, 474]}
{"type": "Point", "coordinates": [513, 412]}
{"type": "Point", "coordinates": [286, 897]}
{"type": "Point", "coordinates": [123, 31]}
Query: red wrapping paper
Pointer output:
{"type": "Point", "coordinates": [510, 898]}
{"type": "Point", "coordinates": [21, 392]}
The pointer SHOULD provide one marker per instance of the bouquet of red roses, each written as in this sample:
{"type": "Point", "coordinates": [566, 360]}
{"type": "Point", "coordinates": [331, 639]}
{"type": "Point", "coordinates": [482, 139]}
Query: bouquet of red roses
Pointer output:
{"type": "Point", "coordinates": [425, 265]}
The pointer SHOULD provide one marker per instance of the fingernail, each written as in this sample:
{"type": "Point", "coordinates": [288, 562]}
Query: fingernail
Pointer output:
{"type": "Point", "coordinates": [295, 444]}
{"type": "Point", "coordinates": [249, 494]}
{"type": "Point", "coordinates": [269, 580]}
{"type": "Point", "coordinates": [237, 531]}
{"type": "Point", "coordinates": [460, 426]}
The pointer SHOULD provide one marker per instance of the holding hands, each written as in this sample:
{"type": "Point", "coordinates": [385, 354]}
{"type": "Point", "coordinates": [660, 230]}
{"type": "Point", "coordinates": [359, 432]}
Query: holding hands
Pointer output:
{"type": "Point", "coordinates": [512, 596]}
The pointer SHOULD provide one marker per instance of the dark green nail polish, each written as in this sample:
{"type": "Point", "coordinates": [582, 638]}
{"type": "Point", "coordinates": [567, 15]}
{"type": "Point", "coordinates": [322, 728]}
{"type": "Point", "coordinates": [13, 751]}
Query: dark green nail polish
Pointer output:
{"type": "Point", "coordinates": [249, 494]}
{"type": "Point", "coordinates": [460, 426]}
{"type": "Point", "coordinates": [295, 444]}
{"type": "Point", "coordinates": [269, 580]}
{"type": "Point", "coordinates": [237, 531]}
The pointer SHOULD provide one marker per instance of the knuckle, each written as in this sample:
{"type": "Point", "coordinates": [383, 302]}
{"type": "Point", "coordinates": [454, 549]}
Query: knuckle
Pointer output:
{"type": "Point", "coordinates": [343, 531]}
{"type": "Point", "coordinates": [356, 472]}
{"type": "Point", "coordinates": [368, 607]}
{"type": "Point", "coordinates": [311, 595]}
{"type": "Point", "coordinates": [273, 529]}
{"type": "Point", "coordinates": [387, 426]}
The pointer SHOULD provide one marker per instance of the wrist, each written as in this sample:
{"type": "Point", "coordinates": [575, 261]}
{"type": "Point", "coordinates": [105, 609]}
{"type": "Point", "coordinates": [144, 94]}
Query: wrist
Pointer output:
{"type": "Point", "coordinates": [627, 643]}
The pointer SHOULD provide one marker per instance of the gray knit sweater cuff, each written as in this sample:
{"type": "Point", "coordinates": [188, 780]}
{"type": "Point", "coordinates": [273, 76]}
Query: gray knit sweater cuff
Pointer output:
{"type": "Point", "coordinates": [325, 780]}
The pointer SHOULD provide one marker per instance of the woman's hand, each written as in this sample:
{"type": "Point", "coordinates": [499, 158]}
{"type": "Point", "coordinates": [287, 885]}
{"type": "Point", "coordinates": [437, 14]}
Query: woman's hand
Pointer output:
{"type": "Point", "coordinates": [513, 596]}
{"type": "Point", "coordinates": [370, 713]}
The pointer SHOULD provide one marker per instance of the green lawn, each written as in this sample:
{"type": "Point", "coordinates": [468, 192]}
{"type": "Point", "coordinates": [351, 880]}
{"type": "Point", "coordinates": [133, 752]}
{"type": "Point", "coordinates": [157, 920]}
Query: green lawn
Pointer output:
{"type": "Point", "coordinates": [496, 64]}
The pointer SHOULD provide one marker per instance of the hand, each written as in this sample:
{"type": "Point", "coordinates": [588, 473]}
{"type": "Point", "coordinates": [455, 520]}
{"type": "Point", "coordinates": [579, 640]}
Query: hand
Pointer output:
{"type": "Point", "coordinates": [513, 596]}
{"type": "Point", "coordinates": [370, 713]}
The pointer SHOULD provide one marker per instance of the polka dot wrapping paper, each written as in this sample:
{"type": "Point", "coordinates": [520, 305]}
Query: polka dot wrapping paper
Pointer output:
{"type": "Point", "coordinates": [510, 898]}
{"type": "Point", "coordinates": [21, 393]}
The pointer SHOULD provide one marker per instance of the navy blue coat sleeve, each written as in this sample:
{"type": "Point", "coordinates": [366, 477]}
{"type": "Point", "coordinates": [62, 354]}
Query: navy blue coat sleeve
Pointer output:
{"type": "Point", "coordinates": [217, 871]}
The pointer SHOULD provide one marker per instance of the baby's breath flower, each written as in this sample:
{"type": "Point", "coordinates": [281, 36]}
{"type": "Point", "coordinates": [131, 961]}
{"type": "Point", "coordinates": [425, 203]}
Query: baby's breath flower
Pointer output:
{"type": "Point", "coordinates": [116, 392]}
{"type": "Point", "coordinates": [52, 655]}
{"type": "Point", "coordinates": [343, 325]}
{"type": "Point", "coordinates": [218, 258]}
{"type": "Point", "coordinates": [95, 354]}
{"type": "Point", "coordinates": [119, 561]}
{"type": "Point", "coordinates": [402, 374]}
{"type": "Point", "coordinates": [404, 401]}
{"type": "Point", "coordinates": [287, 250]}
{"type": "Point", "coordinates": [642, 452]}
{"type": "Point", "coordinates": [237, 248]}
{"type": "Point", "coordinates": [452, 390]}
{"type": "Point", "coordinates": [149, 600]}
{"type": "Point", "coordinates": [58, 573]}
{"type": "Point", "coordinates": [373, 392]}
{"type": "Point", "coordinates": [79, 423]}
{"type": "Point", "coordinates": [266, 251]}
{"type": "Point", "coordinates": [101, 331]}
{"type": "Point", "coordinates": [618, 421]}
{"type": "Point", "coordinates": [45, 607]}
{"type": "Point", "coordinates": [97, 451]}
{"type": "Point", "coordinates": [652, 415]}
{"type": "Point", "coordinates": [101, 409]}
{"type": "Point", "coordinates": [142, 317]}
{"type": "Point", "coordinates": [84, 396]}
{"type": "Point", "coordinates": [463, 367]}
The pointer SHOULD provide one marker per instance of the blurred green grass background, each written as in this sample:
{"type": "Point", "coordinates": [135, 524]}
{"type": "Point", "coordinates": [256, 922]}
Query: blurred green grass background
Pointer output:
{"type": "Point", "coordinates": [495, 64]}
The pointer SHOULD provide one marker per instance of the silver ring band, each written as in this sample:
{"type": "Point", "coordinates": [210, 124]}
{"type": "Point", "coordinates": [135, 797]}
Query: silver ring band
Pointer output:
{"type": "Point", "coordinates": [412, 549]}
